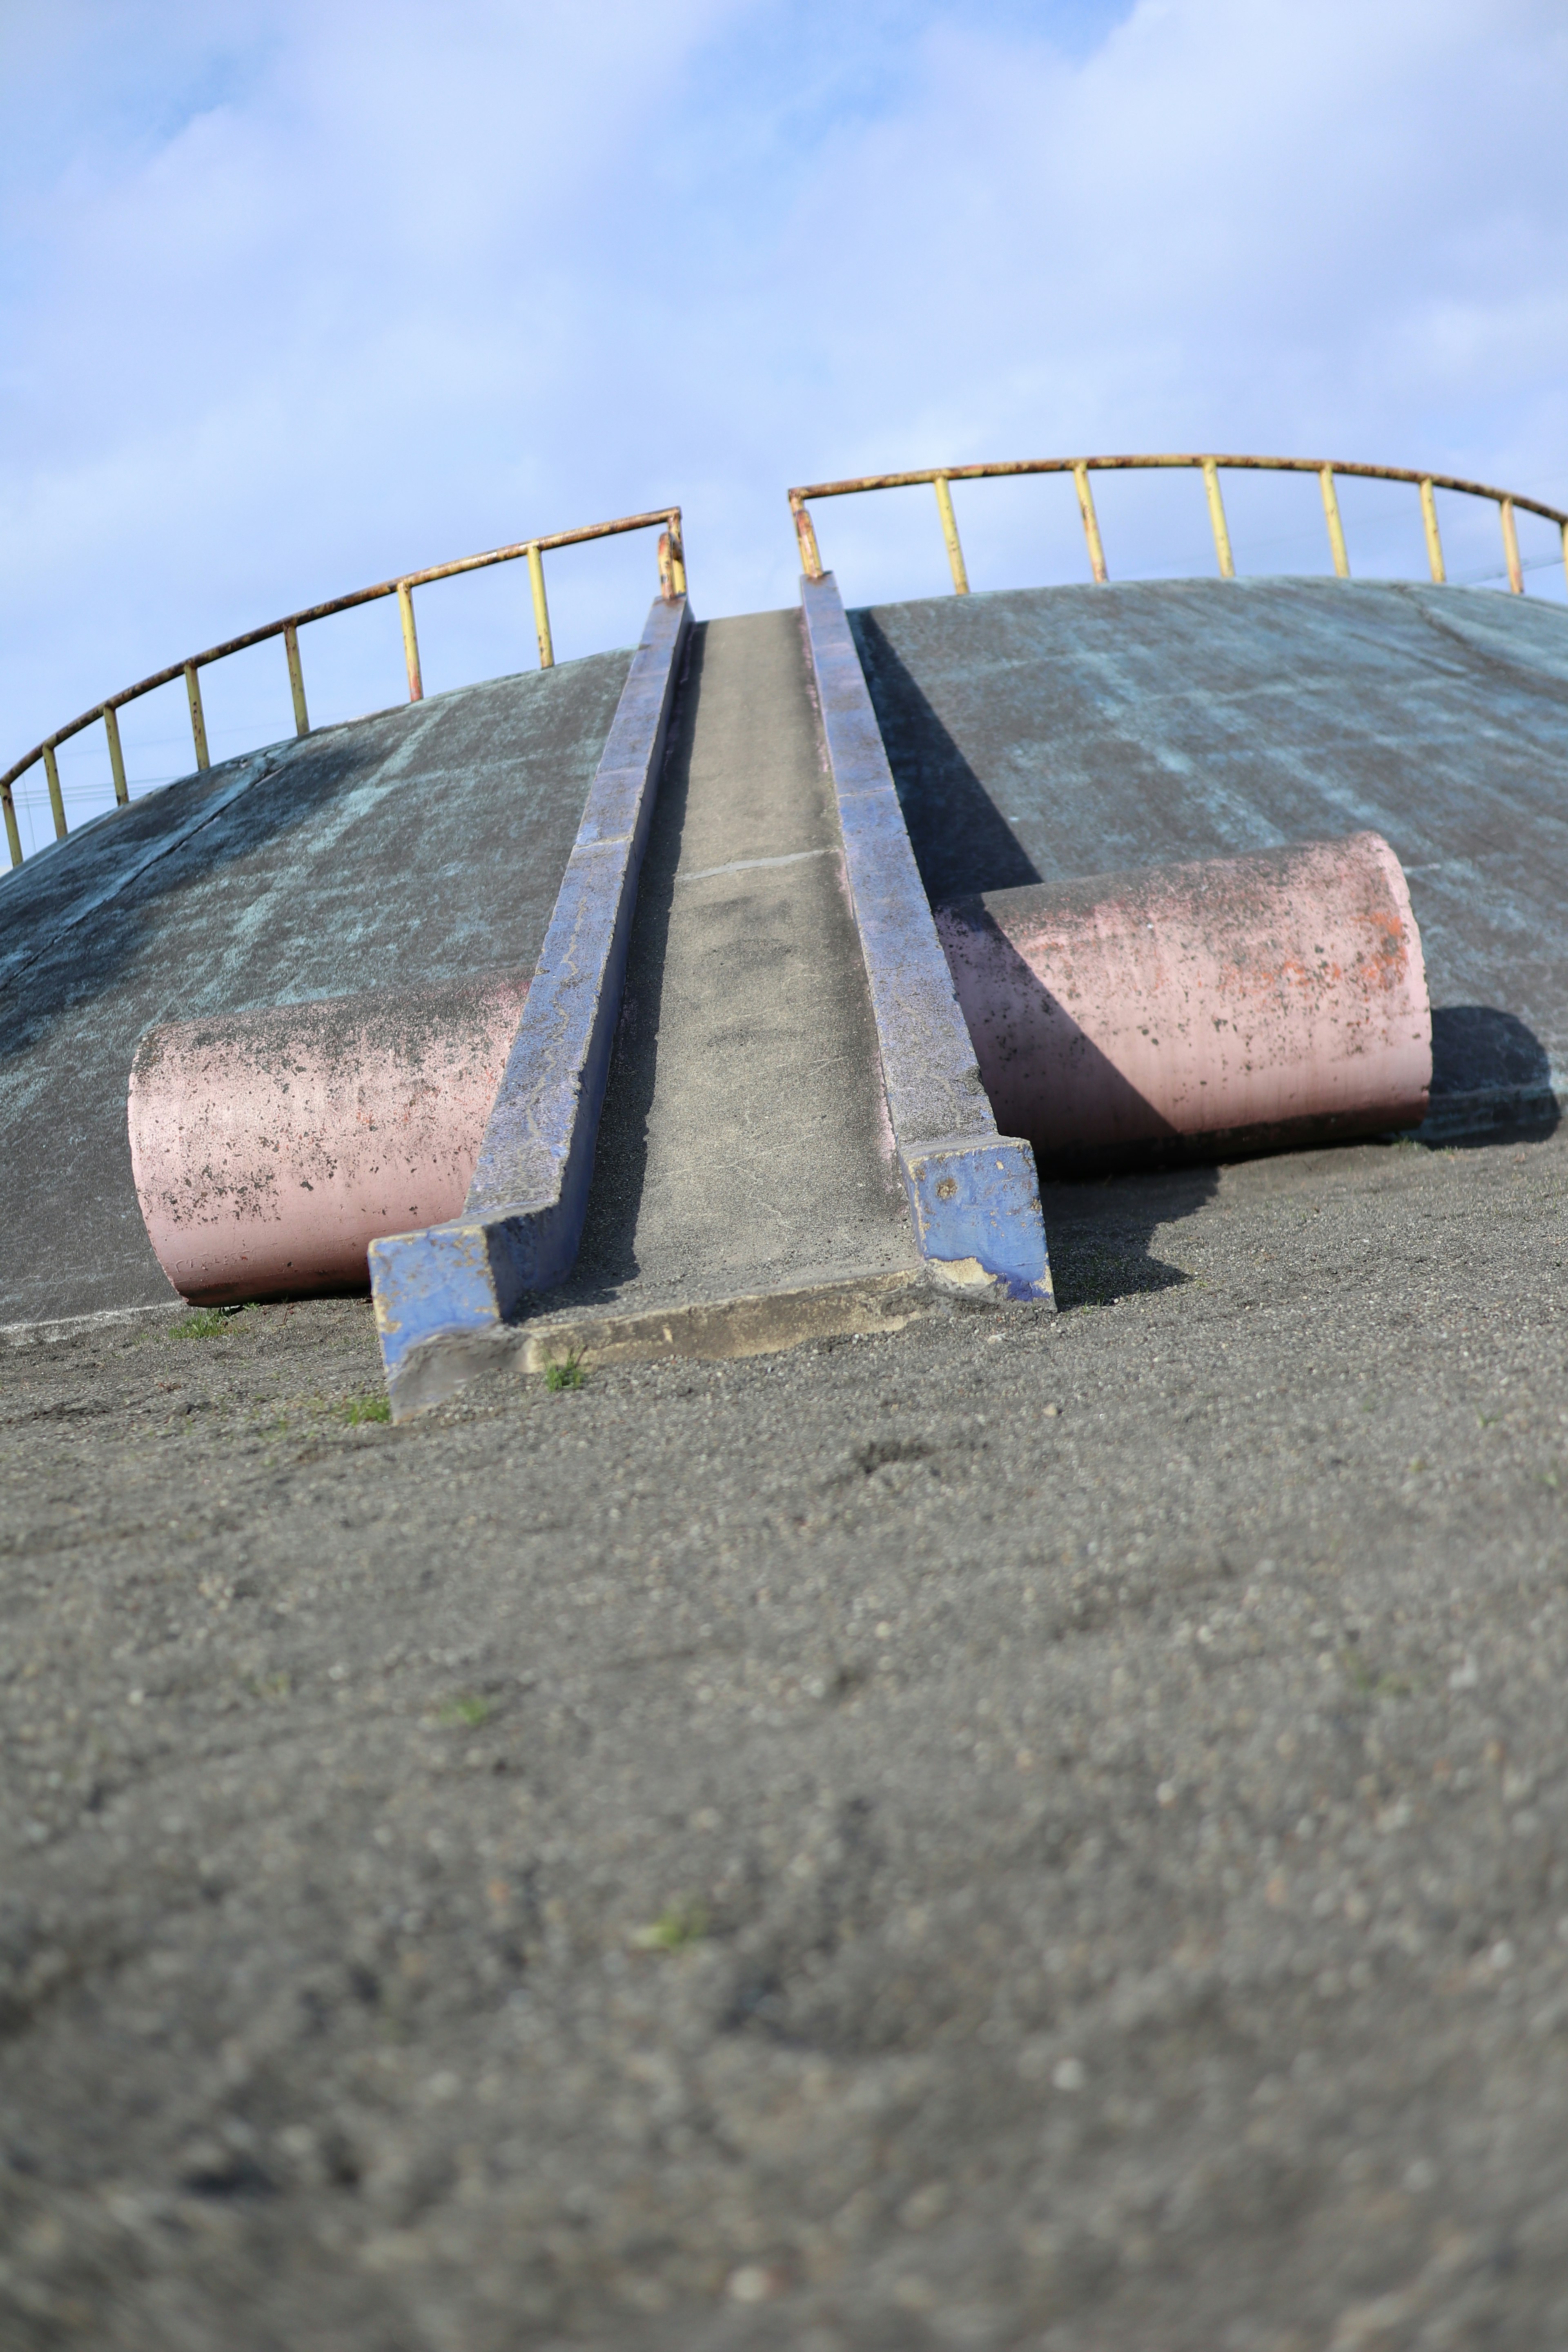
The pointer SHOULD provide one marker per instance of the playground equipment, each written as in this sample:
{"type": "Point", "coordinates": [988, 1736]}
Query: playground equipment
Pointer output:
{"type": "Point", "coordinates": [1229, 1005]}
{"type": "Point", "coordinates": [941, 477]}
{"type": "Point", "coordinates": [271, 1148]}
{"type": "Point", "coordinates": [672, 584]}
{"type": "Point", "coordinates": [865, 986]}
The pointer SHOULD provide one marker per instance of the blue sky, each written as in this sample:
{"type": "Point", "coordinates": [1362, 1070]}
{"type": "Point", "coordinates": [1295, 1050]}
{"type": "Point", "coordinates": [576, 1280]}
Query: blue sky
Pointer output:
{"type": "Point", "coordinates": [295, 296]}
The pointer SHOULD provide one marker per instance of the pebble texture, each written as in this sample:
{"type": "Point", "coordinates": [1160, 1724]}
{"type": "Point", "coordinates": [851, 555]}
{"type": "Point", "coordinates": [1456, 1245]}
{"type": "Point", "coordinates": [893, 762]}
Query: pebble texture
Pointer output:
{"type": "Point", "coordinates": [1035, 1831]}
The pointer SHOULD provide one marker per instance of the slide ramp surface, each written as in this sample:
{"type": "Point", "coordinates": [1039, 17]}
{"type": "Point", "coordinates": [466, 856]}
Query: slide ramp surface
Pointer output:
{"type": "Point", "coordinates": [1042, 734]}
{"type": "Point", "coordinates": [425, 843]}
{"type": "Point", "coordinates": [744, 1155]}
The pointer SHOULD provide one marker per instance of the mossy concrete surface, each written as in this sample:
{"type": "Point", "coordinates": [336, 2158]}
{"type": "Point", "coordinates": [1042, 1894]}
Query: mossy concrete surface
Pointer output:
{"type": "Point", "coordinates": [1042, 734]}
{"type": "Point", "coordinates": [419, 846]}
{"type": "Point", "coordinates": [1017, 1833]}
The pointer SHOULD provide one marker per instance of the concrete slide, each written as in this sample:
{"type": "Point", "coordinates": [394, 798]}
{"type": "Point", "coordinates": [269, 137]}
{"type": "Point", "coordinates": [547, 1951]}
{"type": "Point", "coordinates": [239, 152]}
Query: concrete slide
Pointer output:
{"type": "Point", "coordinates": [744, 1153]}
{"type": "Point", "coordinates": [745, 1190]}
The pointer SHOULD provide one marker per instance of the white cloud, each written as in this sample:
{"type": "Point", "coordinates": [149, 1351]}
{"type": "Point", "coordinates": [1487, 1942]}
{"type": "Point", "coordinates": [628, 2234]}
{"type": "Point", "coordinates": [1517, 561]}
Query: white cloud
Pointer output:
{"type": "Point", "coordinates": [334, 289]}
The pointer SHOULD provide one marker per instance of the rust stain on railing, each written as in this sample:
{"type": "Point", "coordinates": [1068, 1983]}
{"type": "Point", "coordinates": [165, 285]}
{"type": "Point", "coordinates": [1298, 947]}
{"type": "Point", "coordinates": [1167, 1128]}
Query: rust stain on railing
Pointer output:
{"type": "Point", "coordinates": [942, 476]}
{"type": "Point", "coordinates": [672, 584]}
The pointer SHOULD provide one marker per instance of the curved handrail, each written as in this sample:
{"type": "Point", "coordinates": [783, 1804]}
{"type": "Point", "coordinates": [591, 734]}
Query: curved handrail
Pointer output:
{"type": "Point", "coordinates": [1080, 469]}
{"type": "Point", "coordinates": [672, 583]}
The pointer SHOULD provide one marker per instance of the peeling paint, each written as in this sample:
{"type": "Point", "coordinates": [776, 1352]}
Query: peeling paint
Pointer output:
{"type": "Point", "coordinates": [1275, 998]}
{"type": "Point", "coordinates": [270, 1147]}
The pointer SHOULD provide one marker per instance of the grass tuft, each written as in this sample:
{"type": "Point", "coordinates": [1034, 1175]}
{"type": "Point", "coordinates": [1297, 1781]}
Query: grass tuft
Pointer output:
{"type": "Point", "coordinates": [468, 1710]}
{"type": "Point", "coordinates": [677, 1927]}
{"type": "Point", "coordinates": [277, 1687]}
{"type": "Point", "coordinates": [1366, 1680]}
{"type": "Point", "coordinates": [570, 1372]}
{"type": "Point", "coordinates": [206, 1323]}
{"type": "Point", "coordinates": [366, 1408]}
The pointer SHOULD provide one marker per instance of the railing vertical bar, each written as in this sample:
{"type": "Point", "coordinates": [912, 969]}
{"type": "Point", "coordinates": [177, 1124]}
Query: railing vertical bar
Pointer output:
{"type": "Point", "coordinates": [57, 804]}
{"type": "Point", "coordinates": [1434, 543]}
{"type": "Point", "coordinates": [1091, 523]}
{"type": "Point", "coordinates": [116, 756]}
{"type": "Point", "coordinates": [295, 678]}
{"type": "Point", "coordinates": [950, 533]}
{"type": "Point", "coordinates": [1217, 518]}
{"type": "Point", "coordinates": [198, 719]}
{"type": "Point", "coordinates": [1336, 529]}
{"type": "Point", "coordinates": [805, 531]}
{"type": "Point", "coordinates": [1563, 528]}
{"type": "Point", "coordinates": [673, 559]}
{"type": "Point", "coordinates": [541, 607]}
{"type": "Point", "coordinates": [1511, 547]}
{"type": "Point", "coordinates": [410, 642]}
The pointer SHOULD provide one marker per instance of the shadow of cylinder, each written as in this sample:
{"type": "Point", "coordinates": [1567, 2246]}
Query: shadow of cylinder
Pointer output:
{"type": "Point", "coordinates": [1490, 1071]}
{"type": "Point", "coordinates": [1199, 1011]}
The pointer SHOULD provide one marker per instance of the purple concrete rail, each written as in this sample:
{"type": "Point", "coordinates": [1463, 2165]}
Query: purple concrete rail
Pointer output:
{"type": "Point", "coordinates": [973, 1197]}
{"type": "Point", "coordinates": [444, 1294]}
{"type": "Point", "coordinates": [1241, 1003]}
{"type": "Point", "coordinates": [270, 1149]}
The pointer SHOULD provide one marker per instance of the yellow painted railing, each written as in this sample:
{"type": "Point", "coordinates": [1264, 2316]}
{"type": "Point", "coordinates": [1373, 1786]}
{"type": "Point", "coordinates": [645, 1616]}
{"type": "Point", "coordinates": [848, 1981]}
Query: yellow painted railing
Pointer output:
{"type": "Point", "coordinates": [1081, 468]}
{"type": "Point", "coordinates": [672, 583]}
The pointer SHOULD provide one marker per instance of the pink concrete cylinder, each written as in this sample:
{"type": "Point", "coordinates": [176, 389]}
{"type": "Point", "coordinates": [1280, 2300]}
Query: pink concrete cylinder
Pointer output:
{"type": "Point", "coordinates": [269, 1149]}
{"type": "Point", "coordinates": [1202, 1010]}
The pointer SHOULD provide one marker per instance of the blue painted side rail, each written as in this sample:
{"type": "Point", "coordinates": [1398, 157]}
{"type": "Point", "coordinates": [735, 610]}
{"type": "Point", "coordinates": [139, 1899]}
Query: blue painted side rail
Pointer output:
{"type": "Point", "coordinates": [973, 1194]}
{"type": "Point", "coordinates": [443, 1295]}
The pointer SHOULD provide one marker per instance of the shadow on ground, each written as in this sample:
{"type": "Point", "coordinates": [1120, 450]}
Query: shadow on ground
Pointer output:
{"type": "Point", "coordinates": [1100, 1233]}
{"type": "Point", "coordinates": [1491, 1076]}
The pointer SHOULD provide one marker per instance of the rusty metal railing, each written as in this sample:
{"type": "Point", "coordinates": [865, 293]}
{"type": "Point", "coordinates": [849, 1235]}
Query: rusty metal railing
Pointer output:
{"type": "Point", "coordinates": [1081, 468]}
{"type": "Point", "coordinates": [672, 583]}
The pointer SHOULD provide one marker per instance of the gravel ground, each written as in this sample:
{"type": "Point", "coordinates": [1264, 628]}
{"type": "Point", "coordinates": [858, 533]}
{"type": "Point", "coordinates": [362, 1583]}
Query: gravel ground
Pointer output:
{"type": "Point", "coordinates": [1025, 1833]}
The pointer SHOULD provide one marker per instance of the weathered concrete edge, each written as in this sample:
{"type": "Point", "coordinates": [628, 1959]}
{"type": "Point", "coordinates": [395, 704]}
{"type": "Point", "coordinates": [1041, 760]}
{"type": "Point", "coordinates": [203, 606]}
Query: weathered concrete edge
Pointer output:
{"type": "Point", "coordinates": [718, 1331]}
{"type": "Point", "coordinates": [973, 1194]}
{"type": "Point", "coordinates": [451, 1285]}
{"type": "Point", "coordinates": [49, 1331]}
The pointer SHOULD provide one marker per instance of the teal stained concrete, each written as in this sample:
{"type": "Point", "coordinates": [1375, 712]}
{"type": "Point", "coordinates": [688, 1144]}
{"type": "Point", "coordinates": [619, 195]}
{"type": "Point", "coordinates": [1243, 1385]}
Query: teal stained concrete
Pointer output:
{"type": "Point", "coordinates": [1031, 735]}
{"type": "Point", "coordinates": [1040, 734]}
{"type": "Point", "coordinates": [423, 843]}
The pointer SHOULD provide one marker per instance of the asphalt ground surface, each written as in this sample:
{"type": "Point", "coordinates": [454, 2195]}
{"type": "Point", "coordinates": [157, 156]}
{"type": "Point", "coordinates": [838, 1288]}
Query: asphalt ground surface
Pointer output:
{"type": "Point", "coordinates": [1023, 1833]}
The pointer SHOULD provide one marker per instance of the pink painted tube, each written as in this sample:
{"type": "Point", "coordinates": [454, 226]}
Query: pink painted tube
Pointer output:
{"type": "Point", "coordinates": [1202, 1010]}
{"type": "Point", "coordinates": [269, 1149]}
